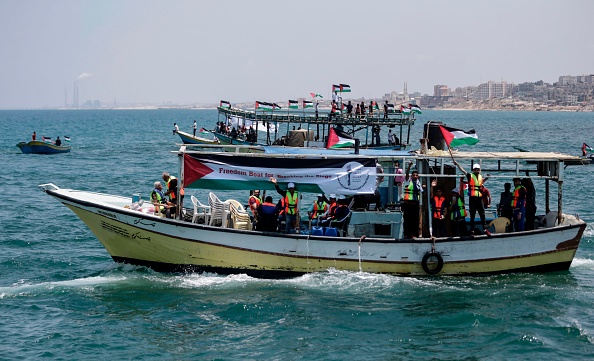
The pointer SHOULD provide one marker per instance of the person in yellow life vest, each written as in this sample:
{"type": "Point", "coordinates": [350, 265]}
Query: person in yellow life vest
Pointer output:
{"type": "Point", "coordinates": [316, 210]}
{"type": "Point", "coordinates": [475, 193]}
{"type": "Point", "coordinates": [159, 201]}
{"type": "Point", "coordinates": [457, 212]}
{"type": "Point", "coordinates": [439, 211]}
{"type": "Point", "coordinates": [291, 206]}
{"type": "Point", "coordinates": [412, 190]}
{"type": "Point", "coordinates": [171, 183]}
{"type": "Point", "coordinates": [254, 202]}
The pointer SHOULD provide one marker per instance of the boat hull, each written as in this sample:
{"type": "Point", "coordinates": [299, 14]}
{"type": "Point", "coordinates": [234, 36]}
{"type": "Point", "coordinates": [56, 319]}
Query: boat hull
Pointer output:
{"type": "Point", "coordinates": [171, 245]}
{"type": "Point", "coordinates": [39, 147]}
{"type": "Point", "coordinates": [187, 138]}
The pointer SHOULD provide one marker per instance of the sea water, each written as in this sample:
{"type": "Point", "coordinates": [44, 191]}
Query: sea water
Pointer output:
{"type": "Point", "coordinates": [62, 297]}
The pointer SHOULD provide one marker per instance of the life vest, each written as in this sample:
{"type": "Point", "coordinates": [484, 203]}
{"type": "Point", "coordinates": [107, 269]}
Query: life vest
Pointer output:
{"type": "Point", "coordinates": [332, 209]}
{"type": "Point", "coordinates": [438, 207]}
{"type": "Point", "coordinates": [268, 208]}
{"type": "Point", "coordinates": [173, 191]}
{"type": "Point", "coordinates": [516, 201]}
{"type": "Point", "coordinates": [319, 209]}
{"type": "Point", "coordinates": [411, 191]}
{"type": "Point", "coordinates": [458, 210]}
{"type": "Point", "coordinates": [475, 185]}
{"type": "Point", "coordinates": [160, 198]}
{"type": "Point", "coordinates": [282, 210]}
{"type": "Point", "coordinates": [291, 202]}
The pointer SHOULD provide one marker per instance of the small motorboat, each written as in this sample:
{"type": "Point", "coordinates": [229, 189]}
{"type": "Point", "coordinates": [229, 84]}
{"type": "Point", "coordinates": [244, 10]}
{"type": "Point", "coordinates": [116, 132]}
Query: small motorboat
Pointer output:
{"type": "Point", "coordinates": [42, 147]}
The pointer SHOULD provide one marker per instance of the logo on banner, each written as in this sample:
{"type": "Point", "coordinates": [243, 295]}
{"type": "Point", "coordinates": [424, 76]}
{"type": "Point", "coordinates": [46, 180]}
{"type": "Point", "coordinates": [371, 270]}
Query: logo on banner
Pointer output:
{"type": "Point", "coordinates": [353, 176]}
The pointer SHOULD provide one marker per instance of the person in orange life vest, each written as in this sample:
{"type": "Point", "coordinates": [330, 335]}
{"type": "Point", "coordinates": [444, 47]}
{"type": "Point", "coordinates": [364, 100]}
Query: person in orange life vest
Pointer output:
{"type": "Point", "coordinates": [267, 216]}
{"type": "Point", "coordinates": [171, 183]}
{"type": "Point", "coordinates": [518, 204]}
{"type": "Point", "coordinates": [317, 208]}
{"type": "Point", "coordinates": [439, 210]}
{"type": "Point", "coordinates": [457, 212]}
{"type": "Point", "coordinates": [291, 205]}
{"type": "Point", "coordinates": [254, 202]}
{"type": "Point", "coordinates": [329, 214]}
{"type": "Point", "coordinates": [412, 191]}
{"type": "Point", "coordinates": [475, 195]}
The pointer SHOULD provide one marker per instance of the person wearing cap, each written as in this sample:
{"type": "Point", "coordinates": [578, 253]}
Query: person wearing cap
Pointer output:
{"type": "Point", "coordinates": [291, 205]}
{"type": "Point", "coordinates": [475, 193]}
{"type": "Point", "coordinates": [518, 205]}
{"type": "Point", "coordinates": [254, 202]}
{"type": "Point", "coordinates": [316, 210]}
{"type": "Point", "coordinates": [412, 190]}
{"type": "Point", "coordinates": [457, 212]}
{"type": "Point", "coordinates": [327, 216]}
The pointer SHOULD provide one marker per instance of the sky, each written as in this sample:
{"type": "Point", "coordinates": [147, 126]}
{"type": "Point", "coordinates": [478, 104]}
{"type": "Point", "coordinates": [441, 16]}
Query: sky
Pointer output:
{"type": "Point", "coordinates": [199, 52]}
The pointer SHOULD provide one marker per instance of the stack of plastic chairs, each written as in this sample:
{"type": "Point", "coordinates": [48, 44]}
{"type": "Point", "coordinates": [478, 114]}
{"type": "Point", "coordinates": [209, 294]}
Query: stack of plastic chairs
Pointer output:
{"type": "Point", "coordinates": [240, 219]}
{"type": "Point", "coordinates": [200, 211]}
{"type": "Point", "coordinates": [219, 210]}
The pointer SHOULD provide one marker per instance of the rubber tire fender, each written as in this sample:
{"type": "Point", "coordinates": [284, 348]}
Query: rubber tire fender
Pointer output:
{"type": "Point", "coordinates": [438, 268]}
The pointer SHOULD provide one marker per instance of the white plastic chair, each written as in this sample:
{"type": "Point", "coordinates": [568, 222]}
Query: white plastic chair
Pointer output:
{"type": "Point", "coordinates": [200, 211]}
{"type": "Point", "coordinates": [218, 210]}
{"type": "Point", "coordinates": [240, 219]}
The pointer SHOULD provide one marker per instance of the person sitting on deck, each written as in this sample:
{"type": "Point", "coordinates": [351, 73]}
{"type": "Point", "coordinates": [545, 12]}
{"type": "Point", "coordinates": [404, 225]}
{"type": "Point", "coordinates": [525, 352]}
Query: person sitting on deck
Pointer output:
{"type": "Point", "coordinates": [317, 208]}
{"type": "Point", "coordinates": [326, 218]}
{"type": "Point", "coordinates": [159, 201]}
{"type": "Point", "coordinates": [254, 202]}
{"type": "Point", "coordinates": [58, 141]}
{"type": "Point", "coordinates": [267, 216]}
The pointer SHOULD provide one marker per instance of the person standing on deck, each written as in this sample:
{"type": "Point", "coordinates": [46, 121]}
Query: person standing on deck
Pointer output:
{"type": "Point", "coordinates": [171, 183]}
{"type": "Point", "coordinates": [530, 203]}
{"type": "Point", "coordinates": [386, 110]}
{"type": "Point", "coordinates": [34, 136]}
{"type": "Point", "coordinates": [412, 191]}
{"type": "Point", "coordinates": [457, 211]}
{"type": "Point", "coordinates": [291, 206]}
{"type": "Point", "coordinates": [518, 205]}
{"type": "Point", "coordinates": [194, 126]}
{"type": "Point", "coordinates": [475, 195]}
{"type": "Point", "coordinates": [439, 210]}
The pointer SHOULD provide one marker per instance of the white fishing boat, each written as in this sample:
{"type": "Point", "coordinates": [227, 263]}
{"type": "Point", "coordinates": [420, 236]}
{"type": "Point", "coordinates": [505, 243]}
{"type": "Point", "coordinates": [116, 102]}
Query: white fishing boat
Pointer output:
{"type": "Point", "coordinates": [219, 237]}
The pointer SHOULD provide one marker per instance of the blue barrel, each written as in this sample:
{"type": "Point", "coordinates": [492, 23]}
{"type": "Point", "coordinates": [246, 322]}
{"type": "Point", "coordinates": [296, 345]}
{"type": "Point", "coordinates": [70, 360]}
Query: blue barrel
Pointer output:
{"type": "Point", "coordinates": [135, 197]}
{"type": "Point", "coordinates": [330, 232]}
{"type": "Point", "coordinates": [317, 231]}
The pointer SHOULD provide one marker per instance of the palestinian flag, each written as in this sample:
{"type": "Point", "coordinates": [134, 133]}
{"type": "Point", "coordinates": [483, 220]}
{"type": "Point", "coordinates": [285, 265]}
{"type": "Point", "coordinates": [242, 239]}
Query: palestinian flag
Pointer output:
{"type": "Point", "coordinates": [293, 104]}
{"type": "Point", "coordinates": [267, 107]}
{"type": "Point", "coordinates": [46, 139]}
{"type": "Point", "coordinates": [456, 137]}
{"type": "Point", "coordinates": [375, 106]}
{"type": "Point", "coordinates": [415, 108]}
{"type": "Point", "coordinates": [345, 88]}
{"type": "Point", "coordinates": [404, 110]}
{"type": "Point", "coordinates": [587, 149]}
{"type": "Point", "coordinates": [339, 139]}
{"type": "Point", "coordinates": [66, 138]}
{"type": "Point", "coordinates": [225, 104]}
{"type": "Point", "coordinates": [335, 88]}
{"type": "Point", "coordinates": [315, 95]}
{"type": "Point", "coordinates": [307, 104]}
